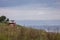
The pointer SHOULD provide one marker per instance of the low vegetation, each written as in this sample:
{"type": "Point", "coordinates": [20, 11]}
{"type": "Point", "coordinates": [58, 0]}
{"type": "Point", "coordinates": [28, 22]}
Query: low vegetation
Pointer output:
{"type": "Point", "coordinates": [20, 33]}
{"type": "Point", "coordinates": [23, 33]}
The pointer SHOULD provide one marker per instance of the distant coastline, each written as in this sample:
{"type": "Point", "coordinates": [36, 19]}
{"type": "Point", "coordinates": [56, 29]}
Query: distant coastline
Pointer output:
{"type": "Point", "coordinates": [38, 22]}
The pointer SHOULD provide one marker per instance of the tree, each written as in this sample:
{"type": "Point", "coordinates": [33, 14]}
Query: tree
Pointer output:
{"type": "Point", "coordinates": [2, 18]}
{"type": "Point", "coordinates": [7, 19]}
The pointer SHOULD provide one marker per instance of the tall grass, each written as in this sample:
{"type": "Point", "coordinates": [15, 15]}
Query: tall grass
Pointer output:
{"type": "Point", "coordinates": [23, 33]}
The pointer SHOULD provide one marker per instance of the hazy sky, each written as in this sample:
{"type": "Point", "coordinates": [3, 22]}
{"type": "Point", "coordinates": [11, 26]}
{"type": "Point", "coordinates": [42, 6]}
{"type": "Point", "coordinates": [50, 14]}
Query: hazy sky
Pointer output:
{"type": "Point", "coordinates": [30, 9]}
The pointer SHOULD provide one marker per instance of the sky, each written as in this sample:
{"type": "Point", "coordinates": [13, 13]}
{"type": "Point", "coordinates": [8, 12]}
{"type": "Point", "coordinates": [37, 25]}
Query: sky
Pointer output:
{"type": "Point", "coordinates": [30, 9]}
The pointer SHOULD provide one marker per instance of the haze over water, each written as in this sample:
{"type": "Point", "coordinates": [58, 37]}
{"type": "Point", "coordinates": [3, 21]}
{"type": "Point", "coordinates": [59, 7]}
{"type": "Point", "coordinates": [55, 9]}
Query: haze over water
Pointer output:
{"type": "Point", "coordinates": [38, 22]}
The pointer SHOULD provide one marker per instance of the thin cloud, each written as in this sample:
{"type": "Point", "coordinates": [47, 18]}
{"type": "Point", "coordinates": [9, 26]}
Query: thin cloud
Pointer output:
{"type": "Point", "coordinates": [31, 14]}
{"type": "Point", "coordinates": [30, 9]}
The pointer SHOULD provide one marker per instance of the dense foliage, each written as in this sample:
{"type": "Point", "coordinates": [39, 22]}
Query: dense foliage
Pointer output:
{"type": "Point", "coordinates": [4, 19]}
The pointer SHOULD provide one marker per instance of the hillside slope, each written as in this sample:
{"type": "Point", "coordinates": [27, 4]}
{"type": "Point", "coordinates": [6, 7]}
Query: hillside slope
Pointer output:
{"type": "Point", "coordinates": [22, 33]}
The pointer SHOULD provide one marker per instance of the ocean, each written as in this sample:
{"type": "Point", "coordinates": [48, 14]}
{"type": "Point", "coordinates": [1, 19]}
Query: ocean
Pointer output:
{"type": "Point", "coordinates": [40, 24]}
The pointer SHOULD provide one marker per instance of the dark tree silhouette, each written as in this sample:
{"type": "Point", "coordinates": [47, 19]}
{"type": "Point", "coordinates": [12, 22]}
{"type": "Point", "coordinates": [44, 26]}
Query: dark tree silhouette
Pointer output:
{"type": "Point", "coordinates": [2, 18]}
{"type": "Point", "coordinates": [7, 19]}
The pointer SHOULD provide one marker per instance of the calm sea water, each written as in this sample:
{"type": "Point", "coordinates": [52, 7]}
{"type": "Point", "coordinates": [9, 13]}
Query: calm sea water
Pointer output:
{"type": "Point", "coordinates": [40, 24]}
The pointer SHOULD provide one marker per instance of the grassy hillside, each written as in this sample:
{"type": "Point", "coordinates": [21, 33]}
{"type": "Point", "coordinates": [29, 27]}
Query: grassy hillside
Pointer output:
{"type": "Point", "coordinates": [22, 33]}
